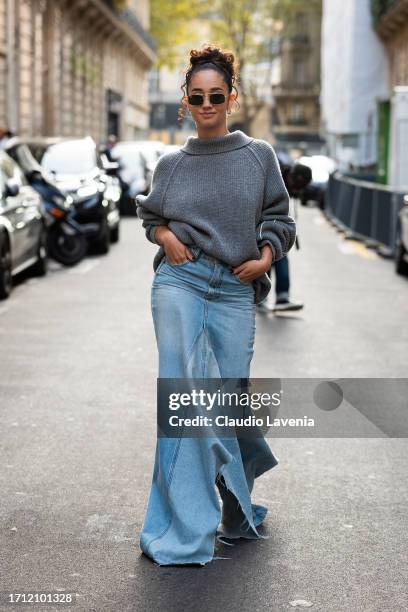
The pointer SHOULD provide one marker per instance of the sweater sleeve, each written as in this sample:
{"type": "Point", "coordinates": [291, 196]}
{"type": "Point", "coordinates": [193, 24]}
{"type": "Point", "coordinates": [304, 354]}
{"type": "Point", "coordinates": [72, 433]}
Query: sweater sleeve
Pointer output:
{"type": "Point", "coordinates": [149, 208]}
{"type": "Point", "coordinates": [275, 227]}
{"type": "Point", "coordinates": [150, 221]}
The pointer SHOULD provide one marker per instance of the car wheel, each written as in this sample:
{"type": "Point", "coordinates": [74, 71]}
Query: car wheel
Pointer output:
{"type": "Point", "coordinates": [5, 270]}
{"type": "Point", "coordinates": [102, 244]}
{"type": "Point", "coordinates": [114, 234]}
{"type": "Point", "coordinates": [40, 266]}
{"type": "Point", "coordinates": [401, 259]}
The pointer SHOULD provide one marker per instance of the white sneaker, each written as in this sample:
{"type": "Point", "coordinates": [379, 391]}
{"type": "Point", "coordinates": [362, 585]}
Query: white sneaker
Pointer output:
{"type": "Point", "coordinates": [282, 305]}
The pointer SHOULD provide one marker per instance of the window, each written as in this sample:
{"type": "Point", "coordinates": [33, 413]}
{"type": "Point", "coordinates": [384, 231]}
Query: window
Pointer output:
{"type": "Point", "coordinates": [299, 71]}
{"type": "Point", "coordinates": [297, 116]}
{"type": "Point", "coordinates": [350, 140]}
{"type": "Point", "coordinates": [12, 171]}
{"type": "Point", "coordinates": [7, 167]}
{"type": "Point", "coordinates": [300, 23]}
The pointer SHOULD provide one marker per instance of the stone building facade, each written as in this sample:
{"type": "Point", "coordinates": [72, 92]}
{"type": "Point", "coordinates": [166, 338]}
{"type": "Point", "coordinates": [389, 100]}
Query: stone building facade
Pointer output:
{"type": "Point", "coordinates": [392, 27]}
{"type": "Point", "coordinates": [75, 67]}
{"type": "Point", "coordinates": [296, 107]}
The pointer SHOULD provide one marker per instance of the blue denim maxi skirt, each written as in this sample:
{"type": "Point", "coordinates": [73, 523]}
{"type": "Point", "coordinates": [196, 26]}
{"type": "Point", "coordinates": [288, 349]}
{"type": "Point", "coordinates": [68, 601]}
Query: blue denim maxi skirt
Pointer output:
{"type": "Point", "coordinates": [204, 322]}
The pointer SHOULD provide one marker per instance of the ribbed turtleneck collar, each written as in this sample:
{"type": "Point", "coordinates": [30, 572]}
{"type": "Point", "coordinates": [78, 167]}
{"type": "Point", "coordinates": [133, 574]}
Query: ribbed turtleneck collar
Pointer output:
{"type": "Point", "coordinates": [216, 144]}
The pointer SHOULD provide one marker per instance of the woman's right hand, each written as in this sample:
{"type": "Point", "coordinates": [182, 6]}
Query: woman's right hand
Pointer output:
{"type": "Point", "coordinates": [176, 251]}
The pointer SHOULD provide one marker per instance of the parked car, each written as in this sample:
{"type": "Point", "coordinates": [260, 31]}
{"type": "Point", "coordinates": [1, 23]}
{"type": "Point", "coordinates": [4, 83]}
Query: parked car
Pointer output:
{"type": "Point", "coordinates": [321, 167]}
{"type": "Point", "coordinates": [401, 251]}
{"type": "Point", "coordinates": [133, 174]}
{"type": "Point", "coordinates": [23, 232]}
{"type": "Point", "coordinates": [67, 239]}
{"type": "Point", "coordinates": [79, 171]}
{"type": "Point", "coordinates": [150, 150]}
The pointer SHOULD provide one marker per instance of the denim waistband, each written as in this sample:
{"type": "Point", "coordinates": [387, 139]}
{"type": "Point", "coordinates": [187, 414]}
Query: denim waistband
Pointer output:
{"type": "Point", "coordinates": [198, 252]}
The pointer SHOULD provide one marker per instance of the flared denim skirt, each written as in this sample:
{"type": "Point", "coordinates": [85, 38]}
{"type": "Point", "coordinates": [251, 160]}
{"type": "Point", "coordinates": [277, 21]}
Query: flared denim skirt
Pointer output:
{"type": "Point", "coordinates": [204, 322]}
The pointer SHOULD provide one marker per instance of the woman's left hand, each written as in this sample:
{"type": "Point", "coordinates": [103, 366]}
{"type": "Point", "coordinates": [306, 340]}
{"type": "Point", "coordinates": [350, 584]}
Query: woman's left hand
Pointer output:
{"type": "Point", "coordinates": [253, 268]}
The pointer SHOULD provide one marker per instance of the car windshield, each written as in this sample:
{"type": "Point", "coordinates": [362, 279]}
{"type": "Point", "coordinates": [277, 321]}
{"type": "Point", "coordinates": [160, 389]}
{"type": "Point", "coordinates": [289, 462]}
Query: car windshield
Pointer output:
{"type": "Point", "coordinates": [72, 157]}
{"type": "Point", "coordinates": [25, 159]}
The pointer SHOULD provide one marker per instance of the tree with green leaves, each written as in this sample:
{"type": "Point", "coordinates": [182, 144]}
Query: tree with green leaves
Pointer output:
{"type": "Point", "coordinates": [171, 26]}
{"type": "Point", "coordinates": [252, 29]}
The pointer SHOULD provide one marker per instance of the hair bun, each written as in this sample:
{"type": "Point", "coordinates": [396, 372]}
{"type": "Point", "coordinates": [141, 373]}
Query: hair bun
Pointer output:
{"type": "Point", "coordinates": [211, 53]}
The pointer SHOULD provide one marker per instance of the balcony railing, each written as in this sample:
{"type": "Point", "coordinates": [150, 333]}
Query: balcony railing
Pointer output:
{"type": "Point", "coordinates": [291, 86]}
{"type": "Point", "coordinates": [300, 40]}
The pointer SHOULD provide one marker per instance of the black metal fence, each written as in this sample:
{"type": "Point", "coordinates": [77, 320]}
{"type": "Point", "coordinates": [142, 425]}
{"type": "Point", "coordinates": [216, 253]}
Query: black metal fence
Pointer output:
{"type": "Point", "coordinates": [365, 211]}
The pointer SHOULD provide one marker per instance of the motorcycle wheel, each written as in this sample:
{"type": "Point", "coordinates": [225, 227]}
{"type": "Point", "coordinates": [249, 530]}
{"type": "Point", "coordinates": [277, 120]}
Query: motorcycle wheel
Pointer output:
{"type": "Point", "coordinates": [67, 250]}
{"type": "Point", "coordinates": [101, 245]}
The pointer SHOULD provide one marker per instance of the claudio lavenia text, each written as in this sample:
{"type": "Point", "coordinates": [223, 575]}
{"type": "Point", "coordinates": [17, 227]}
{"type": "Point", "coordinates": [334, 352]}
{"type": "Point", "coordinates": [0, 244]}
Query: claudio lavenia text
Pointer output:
{"type": "Point", "coordinates": [249, 421]}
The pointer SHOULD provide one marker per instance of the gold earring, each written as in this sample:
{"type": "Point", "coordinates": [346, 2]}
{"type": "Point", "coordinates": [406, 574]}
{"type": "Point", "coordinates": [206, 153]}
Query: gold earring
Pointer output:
{"type": "Point", "coordinates": [229, 111]}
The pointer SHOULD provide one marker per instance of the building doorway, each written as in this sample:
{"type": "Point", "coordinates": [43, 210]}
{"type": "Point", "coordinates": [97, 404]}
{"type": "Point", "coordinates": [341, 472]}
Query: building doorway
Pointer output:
{"type": "Point", "coordinates": [114, 104]}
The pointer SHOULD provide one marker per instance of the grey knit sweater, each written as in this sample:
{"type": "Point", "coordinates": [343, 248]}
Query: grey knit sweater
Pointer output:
{"type": "Point", "coordinates": [224, 194]}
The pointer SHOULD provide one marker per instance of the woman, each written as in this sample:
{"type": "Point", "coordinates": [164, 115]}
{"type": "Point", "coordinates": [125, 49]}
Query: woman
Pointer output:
{"type": "Point", "coordinates": [218, 209]}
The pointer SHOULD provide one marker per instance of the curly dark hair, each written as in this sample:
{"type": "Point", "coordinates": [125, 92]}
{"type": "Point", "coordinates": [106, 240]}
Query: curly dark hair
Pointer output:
{"type": "Point", "coordinates": [210, 56]}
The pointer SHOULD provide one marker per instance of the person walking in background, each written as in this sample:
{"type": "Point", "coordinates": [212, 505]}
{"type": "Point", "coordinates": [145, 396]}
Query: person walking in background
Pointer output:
{"type": "Point", "coordinates": [296, 178]}
{"type": "Point", "coordinates": [107, 147]}
{"type": "Point", "coordinates": [218, 208]}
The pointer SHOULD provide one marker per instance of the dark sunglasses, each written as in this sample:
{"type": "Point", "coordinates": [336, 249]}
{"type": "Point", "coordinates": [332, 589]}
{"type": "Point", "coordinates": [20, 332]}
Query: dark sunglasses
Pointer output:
{"type": "Point", "coordinates": [198, 99]}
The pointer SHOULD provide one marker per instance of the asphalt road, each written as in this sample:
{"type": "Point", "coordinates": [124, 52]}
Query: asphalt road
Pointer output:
{"type": "Point", "coordinates": [77, 383]}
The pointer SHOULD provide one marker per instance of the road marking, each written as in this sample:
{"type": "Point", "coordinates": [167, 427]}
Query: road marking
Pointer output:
{"type": "Point", "coordinates": [84, 267]}
{"type": "Point", "coordinates": [354, 247]}
{"type": "Point", "coordinates": [365, 253]}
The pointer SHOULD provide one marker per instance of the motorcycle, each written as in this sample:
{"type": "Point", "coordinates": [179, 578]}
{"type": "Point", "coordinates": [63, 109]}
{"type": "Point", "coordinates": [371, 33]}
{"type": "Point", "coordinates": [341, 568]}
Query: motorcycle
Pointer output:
{"type": "Point", "coordinates": [67, 239]}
